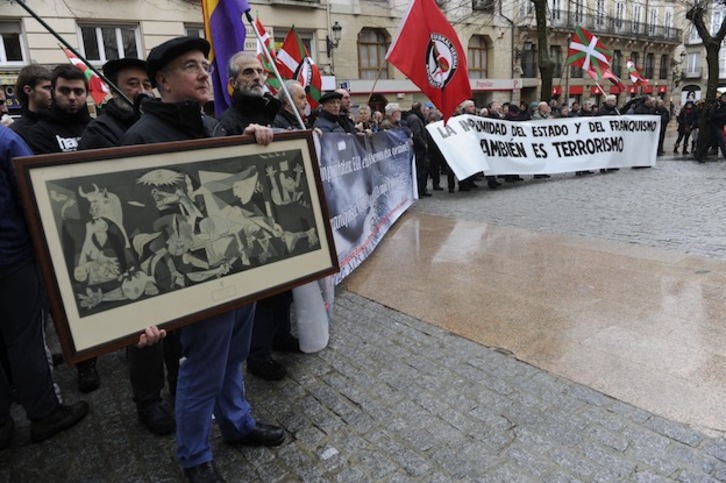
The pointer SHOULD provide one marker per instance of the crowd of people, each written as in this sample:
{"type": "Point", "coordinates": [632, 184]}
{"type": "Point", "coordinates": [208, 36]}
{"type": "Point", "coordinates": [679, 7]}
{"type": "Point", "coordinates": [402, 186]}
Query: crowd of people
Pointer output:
{"type": "Point", "coordinates": [209, 381]}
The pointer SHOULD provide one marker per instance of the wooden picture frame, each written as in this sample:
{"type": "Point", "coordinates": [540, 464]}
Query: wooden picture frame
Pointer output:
{"type": "Point", "coordinates": [169, 234]}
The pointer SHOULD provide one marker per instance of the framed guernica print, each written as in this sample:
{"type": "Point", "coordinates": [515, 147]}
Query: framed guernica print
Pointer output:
{"type": "Point", "coordinates": [169, 234]}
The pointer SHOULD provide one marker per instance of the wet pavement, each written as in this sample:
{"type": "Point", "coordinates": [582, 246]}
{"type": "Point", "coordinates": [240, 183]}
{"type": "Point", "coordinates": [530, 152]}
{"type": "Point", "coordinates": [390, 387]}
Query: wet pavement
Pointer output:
{"type": "Point", "coordinates": [566, 329]}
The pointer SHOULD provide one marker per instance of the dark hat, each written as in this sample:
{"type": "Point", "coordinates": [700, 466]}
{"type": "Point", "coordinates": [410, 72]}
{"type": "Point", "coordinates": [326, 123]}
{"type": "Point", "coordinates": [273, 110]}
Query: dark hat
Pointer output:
{"type": "Point", "coordinates": [514, 109]}
{"type": "Point", "coordinates": [113, 67]}
{"type": "Point", "coordinates": [162, 54]}
{"type": "Point", "coordinates": [329, 96]}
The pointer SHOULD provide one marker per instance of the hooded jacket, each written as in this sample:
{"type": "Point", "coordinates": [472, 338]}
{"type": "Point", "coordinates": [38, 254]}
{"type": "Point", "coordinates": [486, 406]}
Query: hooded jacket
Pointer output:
{"type": "Point", "coordinates": [57, 131]}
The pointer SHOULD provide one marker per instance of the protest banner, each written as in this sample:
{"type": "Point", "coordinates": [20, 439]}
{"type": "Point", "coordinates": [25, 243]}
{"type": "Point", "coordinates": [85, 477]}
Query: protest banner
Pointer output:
{"type": "Point", "coordinates": [472, 144]}
{"type": "Point", "coordinates": [368, 184]}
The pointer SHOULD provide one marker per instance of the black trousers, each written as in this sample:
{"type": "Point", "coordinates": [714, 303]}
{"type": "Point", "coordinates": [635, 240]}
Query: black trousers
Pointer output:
{"type": "Point", "coordinates": [146, 368]}
{"type": "Point", "coordinates": [272, 325]}
{"type": "Point", "coordinates": [22, 302]}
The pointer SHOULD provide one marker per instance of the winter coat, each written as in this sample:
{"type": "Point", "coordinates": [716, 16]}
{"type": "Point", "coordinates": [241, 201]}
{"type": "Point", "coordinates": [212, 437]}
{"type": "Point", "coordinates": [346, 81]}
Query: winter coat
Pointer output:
{"type": "Point", "coordinates": [246, 110]}
{"type": "Point", "coordinates": [107, 129]}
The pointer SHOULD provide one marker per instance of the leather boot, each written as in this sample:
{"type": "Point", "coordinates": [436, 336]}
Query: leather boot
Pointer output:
{"type": "Point", "coordinates": [675, 149]}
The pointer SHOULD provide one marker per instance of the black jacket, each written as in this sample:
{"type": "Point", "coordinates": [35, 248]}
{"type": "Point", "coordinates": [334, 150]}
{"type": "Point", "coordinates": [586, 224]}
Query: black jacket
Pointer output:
{"type": "Point", "coordinates": [246, 110]}
{"type": "Point", "coordinates": [57, 131]}
{"type": "Point", "coordinates": [26, 121]}
{"type": "Point", "coordinates": [164, 122]}
{"type": "Point", "coordinates": [416, 124]}
{"type": "Point", "coordinates": [286, 120]}
{"type": "Point", "coordinates": [107, 129]}
{"type": "Point", "coordinates": [606, 110]}
{"type": "Point", "coordinates": [327, 122]}
{"type": "Point", "coordinates": [346, 122]}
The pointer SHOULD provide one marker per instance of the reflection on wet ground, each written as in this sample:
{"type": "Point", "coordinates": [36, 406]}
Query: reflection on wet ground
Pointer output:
{"type": "Point", "coordinates": [640, 324]}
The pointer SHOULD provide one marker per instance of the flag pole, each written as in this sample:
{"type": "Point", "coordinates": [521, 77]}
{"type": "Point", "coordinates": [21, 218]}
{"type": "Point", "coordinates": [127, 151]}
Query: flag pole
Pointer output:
{"type": "Point", "coordinates": [74, 51]}
{"type": "Point", "coordinates": [274, 68]}
{"type": "Point", "coordinates": [378, 76]}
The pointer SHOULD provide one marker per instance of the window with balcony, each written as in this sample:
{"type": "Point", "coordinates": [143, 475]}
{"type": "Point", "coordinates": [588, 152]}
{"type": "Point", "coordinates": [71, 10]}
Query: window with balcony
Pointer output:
{"type": "Point", "coordinates": [478, 57]}
{"type": "Point", "coordinates": [664, 64]}
{"type": "Point", "coordinates": [693, 37]}
{"type": "Point", "coordinates": [652, 20]}
{"type": "Point", "coordinates": [372, 47]}
{"type": "Point", "coordinates": [619, 15]}
{"type": "Point", "coordinates": [600, 13]}
{"type": "Point", "coordinates": [100, 44]}
{"type": "Point", "coordinates": [616, 65]}
{"type": "Point", "coordinates": [668, 30]}
{"type": "Point", "coordinates": [556, 13]}
{"type": "Point", "coordinates": [637, 19]}
{"type": "Point", "coordinates": [649, 66]}
{"type": "Point", "coordinates": [579, 12]}
{"type": "Point", "coordinates": [526, 7]}
{"type": "Point", "coordinates": [12, 49]}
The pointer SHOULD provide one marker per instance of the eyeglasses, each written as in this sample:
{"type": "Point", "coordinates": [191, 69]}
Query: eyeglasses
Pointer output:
{"type": "Point", "coordinates": [194, 66]}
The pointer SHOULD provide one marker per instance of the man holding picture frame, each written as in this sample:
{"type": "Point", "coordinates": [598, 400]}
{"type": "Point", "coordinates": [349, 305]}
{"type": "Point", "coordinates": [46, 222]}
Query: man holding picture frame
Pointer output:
{"type": "Point", "coordinates": [210, 376]}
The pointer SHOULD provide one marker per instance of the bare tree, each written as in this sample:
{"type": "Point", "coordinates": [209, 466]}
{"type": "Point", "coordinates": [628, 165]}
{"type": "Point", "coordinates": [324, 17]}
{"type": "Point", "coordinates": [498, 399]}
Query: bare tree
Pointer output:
{"type": "Point", "coordinates": [712, 43]}
{"type": "Point", "coordinates": [545, 64]}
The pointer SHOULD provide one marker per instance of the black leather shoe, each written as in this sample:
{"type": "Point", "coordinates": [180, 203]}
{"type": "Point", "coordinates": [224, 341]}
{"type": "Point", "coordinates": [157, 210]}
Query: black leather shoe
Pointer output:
{"type": "Point", "coordinates": [424, 195]}
{"type": "Point", "coordinates": [6, 432]}
{"type": "Point", "coordinates": [62, 418]}
{"type": "Point", "coordinates": [88, 379]}
{"type": "Point", "coordinates": [438, 188]}
{"type": "Point", "coordinates": [262, 435]}
{"type": "Point", "coordinates": [267, 369]}
{"type": "Point", "coordinates": [291, 344]}
{"type": "Point", "coordinates": [204, 473]}
{"type": "Point", "coordinates": [156, 418]}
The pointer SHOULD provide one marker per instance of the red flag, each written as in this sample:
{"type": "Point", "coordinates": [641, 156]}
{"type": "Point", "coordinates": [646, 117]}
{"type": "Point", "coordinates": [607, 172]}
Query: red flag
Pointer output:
{"type": "Point", "coordinates": [427, 49]}
{"type": "Point", "coordinates": [97, 88]}
{"type": "Point", "coordinates": [294, 62]}
{"type": "Point", "coordinates": [588, 52]}
{"type": "Point", "coordinates": [635, 76]}
{"type": "Point", "coordinates": [615, 80]}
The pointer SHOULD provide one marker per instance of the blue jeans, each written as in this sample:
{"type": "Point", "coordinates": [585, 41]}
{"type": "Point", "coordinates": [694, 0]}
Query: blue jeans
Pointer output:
{"type": "Point", "coordinates": [210, 382]}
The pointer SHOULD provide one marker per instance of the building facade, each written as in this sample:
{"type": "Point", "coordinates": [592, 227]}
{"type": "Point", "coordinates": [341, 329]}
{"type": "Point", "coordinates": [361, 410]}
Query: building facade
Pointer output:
{"type": "Point", "coordinates": [499, 38]}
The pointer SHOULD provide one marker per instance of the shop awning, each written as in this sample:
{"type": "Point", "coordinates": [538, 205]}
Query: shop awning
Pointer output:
{"type": "Point", "coordinates": [615, 90]}
{"type": "Point", "coordinates": [596, 91]}
{"type": "Point", "coordinates": [648, 89]}
{"type": "Point", "coordinates": [556, 91]}
{"type": "Point", "coordinates": [662, 89]}
{"type": "Point", "coordinates": [577, 90]}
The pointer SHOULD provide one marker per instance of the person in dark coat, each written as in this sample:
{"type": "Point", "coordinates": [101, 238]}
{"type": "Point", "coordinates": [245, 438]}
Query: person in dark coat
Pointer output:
{"type": "Point", "coordinates": [210, 380]}
{"type": "Point", "coordinates": [609, 107]}
{"type": "Point", "coordinates": [416, 123]}
{"type": "Point", "coordinates": [129, 75]}
{"type": "Point", "coordinates": [60, 129]}
{"type": "Point", "coordinates": [250, 103]}
{"type": "Point", "coordinates": [329, 116]}
{"type": "Point", "coordinates": [33, 90]}
{"type": "Point", "coordinates": [665, 118]}
{"type": "Point", "coordinates": [286, 118]}
{"type": "Point", "coordinates": [345, 120]}
{"type": "Point", "coordinates": [716, 115]}
{"type": "Point", "coordinates": [687, 119]}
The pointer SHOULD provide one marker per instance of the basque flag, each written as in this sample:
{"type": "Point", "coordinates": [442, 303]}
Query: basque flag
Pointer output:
{"type": "Point", "coordinates": [588, 52]}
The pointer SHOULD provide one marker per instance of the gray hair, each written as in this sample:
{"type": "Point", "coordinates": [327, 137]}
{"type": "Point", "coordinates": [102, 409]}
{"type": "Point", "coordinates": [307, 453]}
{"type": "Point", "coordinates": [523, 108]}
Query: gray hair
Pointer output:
{"type": "Point", "coordinates": [289, 85]}
{"type": "Point", "coordinates": [233, 66]}
{"type": "Point", "coordinates": [467, 103]}
{"type": "Point", "coordinates": [364, 108]}
{"type": "Point", "coordinates": [391, 108]}
{"type": "Point", "coordinates": [611, 97]}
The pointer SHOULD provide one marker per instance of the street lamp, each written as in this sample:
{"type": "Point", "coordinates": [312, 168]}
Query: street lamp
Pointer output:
{"type": "Point", "coordinates": [333, 44]}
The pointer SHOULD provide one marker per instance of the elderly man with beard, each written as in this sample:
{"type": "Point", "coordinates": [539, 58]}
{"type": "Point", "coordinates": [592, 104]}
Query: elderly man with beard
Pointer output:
{"type": "Point", "coordinates": [250, 103]}
{"type": "Point", "coordinates": [286, 118]}
{"type": "Point", "coordinates": [210, 376]}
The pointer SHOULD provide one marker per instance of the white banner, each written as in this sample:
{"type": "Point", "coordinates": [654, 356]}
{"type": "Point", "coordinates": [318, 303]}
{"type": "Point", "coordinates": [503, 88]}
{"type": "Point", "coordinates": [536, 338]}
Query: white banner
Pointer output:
{"type": "Point", "coordinates": [472, 144]}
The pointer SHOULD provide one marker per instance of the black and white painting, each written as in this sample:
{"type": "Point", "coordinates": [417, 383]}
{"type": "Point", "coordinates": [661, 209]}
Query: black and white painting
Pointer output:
{"type": "Point", "coordinates": [170, 234]}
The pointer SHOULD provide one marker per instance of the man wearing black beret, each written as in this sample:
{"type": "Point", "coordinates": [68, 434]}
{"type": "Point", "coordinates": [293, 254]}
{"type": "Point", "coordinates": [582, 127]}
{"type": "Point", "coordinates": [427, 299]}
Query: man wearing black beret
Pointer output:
{"type": "Point", "coordinates": [210, 376]}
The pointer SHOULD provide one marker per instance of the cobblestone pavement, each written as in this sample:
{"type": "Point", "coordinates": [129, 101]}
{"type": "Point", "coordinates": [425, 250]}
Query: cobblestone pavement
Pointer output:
{"type": "Point", "coordinates": [395, 399]}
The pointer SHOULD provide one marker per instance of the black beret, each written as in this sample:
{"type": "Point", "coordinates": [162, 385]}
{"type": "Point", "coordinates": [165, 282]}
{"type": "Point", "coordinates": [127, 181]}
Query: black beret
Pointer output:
{"type": "Point", "coordinates": [162, 54]}
{"type": "Point", "coordinates": [329, 96]}
{"type": "Point", "coordinates": [113, 67]}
